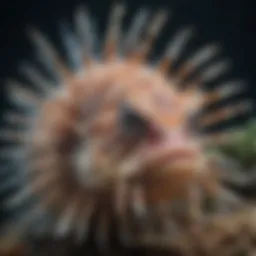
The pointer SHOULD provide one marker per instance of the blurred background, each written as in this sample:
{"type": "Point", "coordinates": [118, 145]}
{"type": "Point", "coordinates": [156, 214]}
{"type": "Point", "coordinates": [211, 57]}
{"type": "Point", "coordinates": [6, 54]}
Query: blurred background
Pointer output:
{"type": "Point", "coordinates": [229, 22]}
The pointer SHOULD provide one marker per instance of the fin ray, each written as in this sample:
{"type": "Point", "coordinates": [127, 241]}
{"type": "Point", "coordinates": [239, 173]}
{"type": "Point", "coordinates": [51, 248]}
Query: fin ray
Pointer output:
{"type": "Point", "coordinates": [36, 78]}
{"type": "Point", "coordinates": [19, 198]}
{"type": "Point", "coordinates": [83, 222]}
{"type": "Point", "coordinates": [175, 49]}
{"type": "Point", "coordinates": [215, 71]}
{"type": "Point", "coordinates": [13, 136]}
{"type": "Point", "coordinates": [202, 56]}
{"type": "Point", "coordinates": [49, 56]}
{"type": "Point", "coordinates": [17, 119]}
{"type": "Point", "coordinates": [22, 96]}
{"type": "Point", "coordinates": [151, 33]}
{"type": "Point", "coordinates": [113, 33]}
{"type": "Point", "coordinates": [72, 47]}
{"type": "Point", "coordinates": [224, 91]}
{"type": "Point", "coordinates": [85, 34]}
{"type": "Point", "coordinates": [225, 113]}
{"type": "Point", "coordinates": [135, 31]}
{"type": "Point", "coordinates": [66, 221]}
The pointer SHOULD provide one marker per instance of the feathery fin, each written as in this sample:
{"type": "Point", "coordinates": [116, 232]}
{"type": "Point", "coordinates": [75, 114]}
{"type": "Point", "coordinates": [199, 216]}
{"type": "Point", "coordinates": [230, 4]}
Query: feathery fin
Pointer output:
{"type": "Point", "coordinates": [49, 55]}
{"type": "Point", "coordinates": [134, 33]}
{"type": "Point", "coordinates": [19, 198]}
{"type": "Point", "coordinates": [224, 91]}
{"type": "Point", "coordinates": [13, 136]}
{"type": "Point", "coordinates": [150, 35]}
{"type": "Point", "coordinates": [44, 181]}
{"type": "Point", "coordinates": [202, 56]}
{"type": "Point", "coordinates": [113, 33]}
{"type": "Point", "coordinates": [65, 223]}
{"type": "Point", "coordinates": [138, 201]}
{"type": "Point", "coordinates": [175, 49]}
{"type": "Point", "coordinates": [210, 74]}
{"type": "Point", "coordinates": [85, 34]}
{"type": "Point", "coordinates": [83, 221]}
{"type": "Point", "coordinates": [121, 198]}
{"type": "Point", "coordinates": [220, 138]}
{"type": "Point", "coordinates": [214, 71]}
{"type": "Point", "coordinates": [22, 96]}
{"type": "Point", "coordinates": [36, 78]}
{"type": "Point", "coordinates": [225, 113]}
{"type": "Point", "coordinates": [72, 47]}
{"type": "Point", "coordinates": [12, 152]}
{"type": "Point", "coordinates": [16, 119]}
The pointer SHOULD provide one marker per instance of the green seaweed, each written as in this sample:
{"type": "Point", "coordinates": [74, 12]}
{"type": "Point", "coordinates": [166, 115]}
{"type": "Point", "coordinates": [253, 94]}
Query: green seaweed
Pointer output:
{"type": "Point", "coordinates": [242, 145]}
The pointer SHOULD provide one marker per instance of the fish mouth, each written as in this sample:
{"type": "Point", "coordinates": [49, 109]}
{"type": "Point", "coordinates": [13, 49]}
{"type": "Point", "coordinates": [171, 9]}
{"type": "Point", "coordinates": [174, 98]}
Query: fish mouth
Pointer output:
{"type": "Point", "coordinates": [173, 159]}
{"type": "Point", "coordinates": [179, 159]}
{"type": "Point", "coordinates": [179, 155]}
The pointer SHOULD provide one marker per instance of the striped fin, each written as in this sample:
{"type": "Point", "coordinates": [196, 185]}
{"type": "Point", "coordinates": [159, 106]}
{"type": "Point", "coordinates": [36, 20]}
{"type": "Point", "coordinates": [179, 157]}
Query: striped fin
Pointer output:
{"type": "Point", "coordinates": [13, 136]}
{"type": "Point", "coordinates": [50, 57]}
{"type": "Point", "coordinates": [72, 46]}
{"type": "Point", "coordinates": [220, 138]}
{"type": "Point", "coordinates": [194, 211]}
{"type": "Point", "coordinates": [66, 221]}
{"type": "Point", "coordinates": [231, 171]}
{"type": "Point", "coordinates": [113, 33]}
{"type": "Point", "coordinates": [210, 74]}
{"type": "Point", "coordinates": [201, 57]}
{"type": "Point", "coordinates": [224, 91]}
{"type": "Point", "coordinates": [134, 33]}
{"type": "Point", "coordinates": [215, 71]}
{"type": "Point", "coordinates": [21, 96]}
{"type": "Point", "coordinates": [225, 113]}
{"type": "Point", "coordinates": [138, 201]}
{"type": "Point", "coordinates": [151, 33]}
{"type": "Point", "coordinates": [193, 99]}
{"type": "Point", "coordinates": [85, 33]}
{"type": "Point", "coordinates": [121, 199]}
{"type": "Point", "coordinates": [16, 119]}
{"type": "Point", "coordinates": [36, 78]}
{"type": "Point", "coordinates": [44, 163]}
{"type": "Point", "coordinates": [44, 181]}
{"type": "Point", "coordinates": [175, 49]}
{"type": "Point", "coordinates": [19, 198]}
{"type": "Point", "coordinates": [83, 220]}
{"type": "Point", "coordinates": [129, 167]}
{"type": "Point", "coordinates": [52, 197]}
{"type": "Point", "coordinates": [12, 152]}
{"type": "Point", "coordinates": [179, 42]}
{"type": "Point", "coordinates": [227, 200]}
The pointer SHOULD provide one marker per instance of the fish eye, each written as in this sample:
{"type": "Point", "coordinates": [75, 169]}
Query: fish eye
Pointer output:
{"type": "Point", "coordinates": [131, 122]}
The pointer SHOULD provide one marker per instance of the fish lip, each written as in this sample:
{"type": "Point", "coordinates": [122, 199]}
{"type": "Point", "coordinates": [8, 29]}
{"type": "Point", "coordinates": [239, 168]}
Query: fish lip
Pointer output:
{"type": "Point", "coordinates": [178, 157]}
{"type": "Point", "coordinates": [174, 153]}
{"type": "Point", "coordinates": [172, 158]}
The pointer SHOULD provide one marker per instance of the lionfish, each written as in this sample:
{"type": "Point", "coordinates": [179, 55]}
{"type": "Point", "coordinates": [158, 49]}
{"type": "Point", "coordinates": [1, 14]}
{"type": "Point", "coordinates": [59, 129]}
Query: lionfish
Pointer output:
{"type": "Point", "coordinates": [116, 141]}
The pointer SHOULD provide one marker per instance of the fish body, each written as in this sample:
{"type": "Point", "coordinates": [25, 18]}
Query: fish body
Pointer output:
{"type": "Point", "coordinates": [119, 138]}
